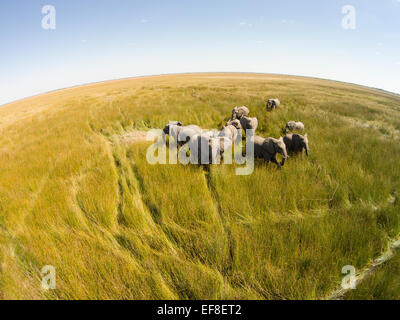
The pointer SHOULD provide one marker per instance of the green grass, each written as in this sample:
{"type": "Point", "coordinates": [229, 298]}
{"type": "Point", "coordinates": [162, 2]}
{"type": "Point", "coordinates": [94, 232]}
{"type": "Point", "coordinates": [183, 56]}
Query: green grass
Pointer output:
{"type": "Point", "coordinates": [74, 196]}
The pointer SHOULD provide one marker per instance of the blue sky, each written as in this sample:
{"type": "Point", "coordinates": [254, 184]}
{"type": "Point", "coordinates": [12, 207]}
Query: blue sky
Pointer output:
{"type": "Point", "coordinates": [97, 40]}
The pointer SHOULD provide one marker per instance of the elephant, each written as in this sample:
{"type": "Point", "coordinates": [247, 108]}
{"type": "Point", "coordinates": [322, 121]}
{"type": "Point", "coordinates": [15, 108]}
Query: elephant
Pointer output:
{"type": "Point", "coordinates": [231, 130]}
{"type": "Point", "coordinates": [217, 147]}
{"type": "Point", "coordinates": [235, 123]}
{"type": "Point", "coordinates": [273, 104]}
{"type": "Point", "coordinates": [211, 133]}
{"type": "Point", "coordinates": [295, 143]}
{"type": "Point", "coordinates": [239, 112]}
{"type": "Point", "coordinates": [268, 148]}
{"type": "Point", "coordinates": [198, 144]}
{"type": "Point", "coordinates": [293, 125]}
{"type": "Point", "coordinates": [249, 123]}
{"type": "Point", "coordinates": [205, 150]}
{"type": "Point", "coordinates": [180, 133]}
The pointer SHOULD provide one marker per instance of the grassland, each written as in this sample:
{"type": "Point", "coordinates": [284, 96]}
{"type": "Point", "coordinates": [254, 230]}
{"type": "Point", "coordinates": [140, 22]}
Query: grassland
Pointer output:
{"type": "Point", "coordinates": [384, 284]}
{"type": "Point", "coordinates": [74, 195]}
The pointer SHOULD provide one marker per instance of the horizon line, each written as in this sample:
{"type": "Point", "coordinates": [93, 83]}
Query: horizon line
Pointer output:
{"type": "Point", "coordinates": [194, 73]}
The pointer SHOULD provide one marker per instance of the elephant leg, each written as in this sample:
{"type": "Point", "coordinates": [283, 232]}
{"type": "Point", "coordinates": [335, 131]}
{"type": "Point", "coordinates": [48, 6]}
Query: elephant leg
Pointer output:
{"type": "Point", "coordinates": [266, 156]}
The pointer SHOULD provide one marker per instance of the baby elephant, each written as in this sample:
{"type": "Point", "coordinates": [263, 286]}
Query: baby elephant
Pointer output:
{"type": "Point", "coordinates": [295, 143]}
{"type": "Point", "coordinates": [273, 104]}
{"type": "Point", "coordinates": [293, 125]}
{"type": "Point", "coordinates": [249, 123]}
{"type": "Point", "coordinates": [268, 148]}
{"type": "Point", "coordinates": [239, 112]}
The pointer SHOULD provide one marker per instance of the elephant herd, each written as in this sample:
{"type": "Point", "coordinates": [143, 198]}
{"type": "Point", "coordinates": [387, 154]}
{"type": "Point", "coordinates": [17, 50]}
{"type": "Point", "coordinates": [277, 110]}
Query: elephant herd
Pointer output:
{"type": "Point", "coordinates": [216, 142]}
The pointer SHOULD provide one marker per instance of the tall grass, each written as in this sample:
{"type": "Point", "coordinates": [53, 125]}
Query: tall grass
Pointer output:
{"type": "Point", "coordinates": [384, 284]}
{"type": "Point", "coordinates": [74, 196]}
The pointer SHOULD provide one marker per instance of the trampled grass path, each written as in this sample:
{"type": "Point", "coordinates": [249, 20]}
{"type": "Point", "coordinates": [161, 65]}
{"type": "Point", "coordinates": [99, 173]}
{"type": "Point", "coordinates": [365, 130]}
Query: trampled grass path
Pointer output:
{"type": "Point", "coordinates": [137, 136]}
{"type": "Point", "coordinates": [133, 136]}
{"type": "Point", "coordinates": [371, 268]}
{"type": "Point", "coordinates": [393, 246]}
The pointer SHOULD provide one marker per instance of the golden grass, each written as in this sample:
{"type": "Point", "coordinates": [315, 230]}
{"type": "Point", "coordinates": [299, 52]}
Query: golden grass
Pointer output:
{"type": "Point", "coordinates": [75, 196]}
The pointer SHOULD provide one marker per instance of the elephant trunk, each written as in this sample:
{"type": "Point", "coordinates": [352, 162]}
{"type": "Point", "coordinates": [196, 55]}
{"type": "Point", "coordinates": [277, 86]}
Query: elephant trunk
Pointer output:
{"type": "Point", "coordinates": [307, 150]}
{"type": "Point", "coordinates": [284, 158]}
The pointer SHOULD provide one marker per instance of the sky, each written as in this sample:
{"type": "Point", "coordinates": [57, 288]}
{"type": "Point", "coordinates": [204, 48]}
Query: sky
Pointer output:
{"type": "Point", "coordinates": [98, 40]}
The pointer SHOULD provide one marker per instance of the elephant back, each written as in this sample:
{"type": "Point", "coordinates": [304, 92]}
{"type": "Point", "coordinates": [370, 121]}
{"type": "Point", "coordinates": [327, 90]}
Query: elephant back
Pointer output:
{"type": "Point", "coordinates": [249, 123]}
{"type": "Point", "coordinates": [269, 145]}
{"type": "Point", "coordinates": [298, 142]}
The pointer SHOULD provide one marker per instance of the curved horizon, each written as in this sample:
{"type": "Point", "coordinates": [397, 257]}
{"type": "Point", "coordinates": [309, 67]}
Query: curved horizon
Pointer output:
{"type": "Point", "coordinates": [68, 44]}
{"type": "Point", "coordinates": [193, 73]}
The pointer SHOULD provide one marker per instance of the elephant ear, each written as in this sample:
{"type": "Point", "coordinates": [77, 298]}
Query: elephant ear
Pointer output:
{"type": "Point", "coordinates": [306, 140]}
{"type": "Point", "coordinates": [166, 129]}
{"type": "Point", "coordinates": [280, 144]}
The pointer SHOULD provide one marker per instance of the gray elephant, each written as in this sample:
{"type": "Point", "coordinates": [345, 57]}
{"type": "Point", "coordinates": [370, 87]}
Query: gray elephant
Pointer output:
{"type": "Point", "coordinates": [217, 148]}
{"type": "Point", "coordinates": [296, 143]}
{"type": "Point", "coordinates": [198, 145]}
{"type": "Point", "coordinates": [231, 130]}
{"type": "Point", "coordinates": [206, 150]}
{"type": "Point", "coordinates": [273, 104]}
{"type": "Point", "coordinates": [239, 112]}
{"type": "Point", "coordinates": [268, 148]}
{"type": "Point", "coordinates": [211, 133]}
{"type": "Point", "coordinates": [181, 134]}
{"type": "Point", "coordinates": [235, 123]}
{"type": "Point", "coordinates": [249, 123]}
{"type": "Point", "coordinates": [293, 125]}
